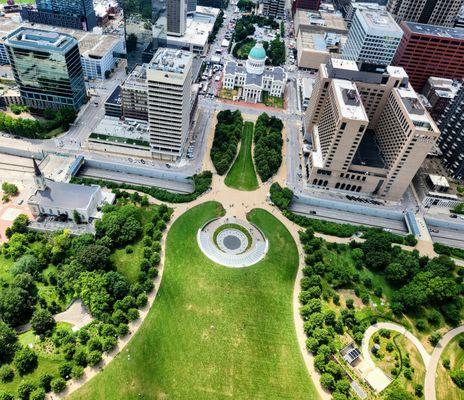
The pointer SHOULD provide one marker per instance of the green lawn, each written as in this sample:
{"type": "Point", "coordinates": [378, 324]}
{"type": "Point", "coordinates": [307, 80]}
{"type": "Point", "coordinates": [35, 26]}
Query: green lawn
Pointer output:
{"type": "Point", "coordinates": [242, 175]}
{"type": "Point", "coordinates": [5, 265]}
{"type": "Point", "coordinates": [214, 332]}
{"type": "Point", "coordinates": [128, 264]}
{"type": "Point", "coordinates": [273, 101]}
{"type": "Point", "coordinates": [19, 2]}
{"type": "Point", "coordinates": [446, 388]}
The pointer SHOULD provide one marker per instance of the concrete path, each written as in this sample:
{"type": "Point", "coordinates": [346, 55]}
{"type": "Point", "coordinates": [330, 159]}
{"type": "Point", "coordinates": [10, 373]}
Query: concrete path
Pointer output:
{"type": "Point", "coordinates": [392, 327]}
{"type": "Point", "coordinates": [431, 373]}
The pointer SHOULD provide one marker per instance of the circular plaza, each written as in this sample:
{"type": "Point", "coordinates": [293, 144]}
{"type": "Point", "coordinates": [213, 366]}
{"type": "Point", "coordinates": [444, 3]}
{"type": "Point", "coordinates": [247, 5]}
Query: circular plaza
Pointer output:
{"type": "Point", "coordinates": [232, 242]}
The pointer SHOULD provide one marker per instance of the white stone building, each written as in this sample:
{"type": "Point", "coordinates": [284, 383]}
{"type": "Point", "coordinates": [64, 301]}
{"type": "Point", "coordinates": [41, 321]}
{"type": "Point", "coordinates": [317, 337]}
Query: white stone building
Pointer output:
{"type": "Point", "coordinates": [254, 78]}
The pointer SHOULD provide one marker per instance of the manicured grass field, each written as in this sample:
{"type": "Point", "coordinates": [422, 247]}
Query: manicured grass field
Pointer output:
{"type": "Point", "coordinates": [214, 332]}
{"type": "Point", "coordinates": [242, 175]}
{"type": "Point", "coordinates": [446, 388]}
{"type": "Point", "coordinates": [128, 264]}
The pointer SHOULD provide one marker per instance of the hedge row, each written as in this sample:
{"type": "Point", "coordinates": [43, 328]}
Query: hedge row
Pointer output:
{"type": "Point", "coordinates": [201, 181]}
{"type": "Point", "coordinates": [448, 251]}
{"type": "Point", "coordinates": [282, 198]}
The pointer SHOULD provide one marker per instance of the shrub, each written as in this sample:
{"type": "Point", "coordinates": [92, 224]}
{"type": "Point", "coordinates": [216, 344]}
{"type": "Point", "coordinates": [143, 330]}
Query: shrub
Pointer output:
{"type": "Point", "coordinates": [77, 372]}
{"type": "Point", "coordinates": [421, 325]}
{"type": "Point", "coordinates": [38, 394]}
{"type": "Point", "coordinates": [58, 385]}
{"type": "Point", "coordinates": [80, 356]}
{"type": "Point", "coordinates": [327, 382]}
{"type": "Point", "coordinates": [94, 344]}
{"type": "Point", "coordinates": [25, 361]}
{"type": "Point", "coordinates": [349, 303]}
{"type": "Point", "coordinates": [434, 338]}
{"type": "Point", "coordinates": [132, 314]}
{"type": "Point", "coordinates": [6, 396]}
{"type": "Point", "coordinates": [109, 343]}
{"type": "Point", "coordinates": [24, 390]}
{"type": "Point", "coordinates": [418, 390]}
{"type": "Point", "coordinates": [94, 357]}
{"type": "Point", "coordinates": [45, 382]}
{"type": "Point", "coordinates": [6, 373]}
{"type": "Point", "coordinates": [389, 347]}
{"type": "Point", "coordinates": [458, 378]}
{"type": "Point", "coordinates": [446, 363]}
{"type": "Point", "coordinates": [65, 370]}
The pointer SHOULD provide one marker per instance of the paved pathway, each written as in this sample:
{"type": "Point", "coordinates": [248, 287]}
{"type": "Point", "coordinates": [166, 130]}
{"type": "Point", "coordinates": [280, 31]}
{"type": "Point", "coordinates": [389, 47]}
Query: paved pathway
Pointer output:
{"type": "Point", "coordinates": [431, 373]}
{"type": "Point", "coordinates": [430, 361]}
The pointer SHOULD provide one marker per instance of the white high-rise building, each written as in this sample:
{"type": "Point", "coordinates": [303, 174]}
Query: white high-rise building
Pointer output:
{"type": "Point", "coordinates": [169, 80]}
{"type": "Point", "coordinates": [374, 37]}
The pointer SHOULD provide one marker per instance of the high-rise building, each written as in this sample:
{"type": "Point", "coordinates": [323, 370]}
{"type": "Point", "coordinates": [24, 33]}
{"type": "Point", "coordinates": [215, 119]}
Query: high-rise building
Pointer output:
{"type": "Point", "coordinates": [435, 12]}
{"type": "Point", "coordinates": [169, 78]}
{"type": "Point", "coordinates": [428, 50]}
{"type": "Point", "coordinates": [77, 14]}
{"type": "Point", "coordinates": [176, 17]}
{"type": "Point", "coordinates": [47, 68]}
{"type": "Point", "coordinates": [374, 37]}
{"type": "Point", "coordinates": [144, 29]}
{"type": "Point", "coordinates": [191, 6]}
{"type": "Point", "coordinates": [134, 97]}
{"type": "Point", "coordinates": [273, 8]}
{"type": "Point", "coordinates": [452, 138]}
{"type": "Point", "coordinates": [370, 133]}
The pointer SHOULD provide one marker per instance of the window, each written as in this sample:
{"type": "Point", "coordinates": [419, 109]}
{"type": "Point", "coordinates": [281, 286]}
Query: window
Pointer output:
{"type": "Point", "coordinates": [343, 126]}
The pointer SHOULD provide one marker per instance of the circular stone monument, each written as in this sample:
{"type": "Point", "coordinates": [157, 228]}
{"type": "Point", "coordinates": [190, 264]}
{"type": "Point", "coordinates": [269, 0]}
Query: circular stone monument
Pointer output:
{"type": "Point", "coordinates": [232, 242]}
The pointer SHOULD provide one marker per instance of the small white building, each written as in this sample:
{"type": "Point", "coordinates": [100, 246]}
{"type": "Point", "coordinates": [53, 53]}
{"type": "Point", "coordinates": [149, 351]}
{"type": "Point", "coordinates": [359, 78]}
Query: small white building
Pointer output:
{"type": "Point", "coordinates": [61, 198]}
{"type": "Point", "coordinates": [254, 78]}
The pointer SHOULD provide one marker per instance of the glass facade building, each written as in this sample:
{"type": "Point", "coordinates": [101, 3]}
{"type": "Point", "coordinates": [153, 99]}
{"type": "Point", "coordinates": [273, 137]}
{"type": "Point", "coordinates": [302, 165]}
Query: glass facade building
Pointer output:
{"type": "Point", "coordinates": [76, 14]}
{"type": "Point", "coordinates": [145, 29]}
{"type": "Point", "coordinates": [47, 68]}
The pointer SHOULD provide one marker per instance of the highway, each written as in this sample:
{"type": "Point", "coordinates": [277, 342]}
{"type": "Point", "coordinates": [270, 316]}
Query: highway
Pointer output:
{"type": "Point", "coordinates": [338, 216]}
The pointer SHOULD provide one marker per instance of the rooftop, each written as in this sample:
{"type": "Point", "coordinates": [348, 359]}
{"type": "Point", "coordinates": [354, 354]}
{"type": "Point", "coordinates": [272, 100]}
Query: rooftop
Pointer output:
{"type": "Point", "coordinates": [433, 30]}
{"type": "Point", "coordinates": [40, 39]}
{"type": "Point", "coordinates": [323, 20]}
{"type": "Point", "coordinates": [349, 100]}
{"type": "Point", "coordinates": [379, 22]}
{"type": "Point", "coordinates": [64, 195]}
{"type": "Point", "coordinates": [137, 79]}
{"type": "Point", "coordinates": [171, 60]}
{"type": "Point", "coordinates": [93, 45]}
{"type": "Point", "coordinates": [129, 128]}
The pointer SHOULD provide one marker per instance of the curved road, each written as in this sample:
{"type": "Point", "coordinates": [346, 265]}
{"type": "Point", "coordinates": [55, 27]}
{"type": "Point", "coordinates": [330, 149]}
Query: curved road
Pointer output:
{"type": "Point", "coordinates": [431, 370]}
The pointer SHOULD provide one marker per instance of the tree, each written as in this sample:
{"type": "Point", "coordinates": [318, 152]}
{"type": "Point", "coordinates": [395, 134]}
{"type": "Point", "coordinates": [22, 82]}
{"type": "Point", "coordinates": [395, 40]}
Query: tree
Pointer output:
{"type": "Point", "coordinates": [434, 338]}
{"type": "Point", "coordinates": [58, 385]}
{"type": "Point", "coordinates": [10, 189]}
{"type": "Point", "coordinates": [396, 392]}
{"type": "Point", "coordinates": [8, 340]}
{"type": "Point", "coordinates": [65, 370]}
{"type": "Point", "coordinates": [94, 257]}
{"type": "Point", "coordinates": [42, 322]}
{"type": "Point", "coordinates": [15, 306]}
{"type": "Point", "coordinates": [24, 390]}
{"type": "Point", "coordinates": [94, 357]}
{"type": "Point", "coordinates": [76, 216]}
{"type": "Point", "coordinates": [19, 225]}
{"type": "Point", "coordinates": [45, 382]}
{"type": "Point", "coordinates": [91, 288]}
{"type": "Point", "coordinates": [327, 381]}
{"type": "Point", "coordinates": [25, 361]}
{"type": "Point", "coordinates": [26, 264]}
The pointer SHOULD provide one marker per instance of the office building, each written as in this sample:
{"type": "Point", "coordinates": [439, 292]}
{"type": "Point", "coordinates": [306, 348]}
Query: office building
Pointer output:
{"type": "Point", "coordinates": [452, 138]}
{"type": "Point", "coordinates": [76, 14]}
{"type": "Point", "coordinates": [222, 4]}
{"type": "Point", "coordinates": [439, 93]}
{"type": "Point", "coordinates": [370, 133]}
{"type": "Point", "coordinates": [134, 98]}
{"type": "Point", "coordinates": [144, 29]}
{"type": "Point", "coordinates": [47, 68]}
{"type": "Point", "coordinates": [374, 37]}
{"type": "Point", "coordinates": [273, 8]}
{"type": "Point", "coordinates": [316, 48]}
{"type": "Point", "coordinates": [319, 21]}
{"type": "Point", "coordinates": [113, 104]}
{"type": "Point", "coordinates": [99, 53]}
{"type": "Point", "coordinates": [169, 78]}
{"type": "Point", "coordinates": [349, 11]}
{"type": "Point", "coordinates": [428, 50]}
{"type": "Point", "coordinates": [176, 17]}
{"type": "Point", "coordinates": [191, 6]}
{"type": "Point", "coordinates": [199, 27]}
{"type": "Point", "coordinates": [434, 12]}
{"type": "Point", "coordinates": [305, 5]}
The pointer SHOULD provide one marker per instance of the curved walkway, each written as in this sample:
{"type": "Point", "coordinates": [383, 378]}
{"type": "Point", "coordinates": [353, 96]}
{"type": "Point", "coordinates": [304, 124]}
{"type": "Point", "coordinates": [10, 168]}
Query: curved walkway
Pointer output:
{"type": "Point", "coordinates": [430, 361]}
{"type": "Point", "coordinates": [431, 372]}
{"type": "Point", "coordinates": [392, 327]}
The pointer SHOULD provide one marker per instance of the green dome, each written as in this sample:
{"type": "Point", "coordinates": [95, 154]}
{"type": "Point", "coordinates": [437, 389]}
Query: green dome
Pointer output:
{"type": "Point", "coordinates": [258, 52]}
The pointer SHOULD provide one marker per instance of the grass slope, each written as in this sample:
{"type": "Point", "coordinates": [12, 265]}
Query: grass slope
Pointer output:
{"type": "Point", "coordinates": [242, 175]}
{"type": "Point", "coordinates": [214, 332]}
{"type": "Point", "coordinates": [446, 388]}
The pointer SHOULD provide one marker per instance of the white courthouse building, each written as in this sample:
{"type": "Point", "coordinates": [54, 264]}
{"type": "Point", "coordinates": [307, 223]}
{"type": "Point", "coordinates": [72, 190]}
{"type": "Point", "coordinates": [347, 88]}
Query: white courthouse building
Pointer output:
{"type": "Point", "coordinates": [254, 78]}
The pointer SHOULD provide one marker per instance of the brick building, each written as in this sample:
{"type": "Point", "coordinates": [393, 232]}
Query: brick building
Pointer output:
{"type": "Point", "coordinates": [428, 50]}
